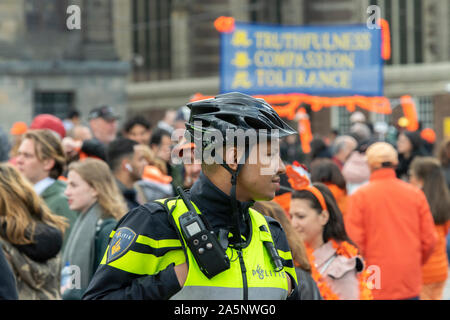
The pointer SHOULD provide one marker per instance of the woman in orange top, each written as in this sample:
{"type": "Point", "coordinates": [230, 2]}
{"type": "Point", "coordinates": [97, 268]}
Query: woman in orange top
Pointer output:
{"type": "Point", "coordinates": [328, 173]}
{"type": "Point", "coordinates": [426, 173]}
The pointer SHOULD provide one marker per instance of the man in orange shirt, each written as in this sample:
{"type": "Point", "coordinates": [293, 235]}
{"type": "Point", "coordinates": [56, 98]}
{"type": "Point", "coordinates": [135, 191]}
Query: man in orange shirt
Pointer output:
{"type": "Point", "coordinates": [391, 223]}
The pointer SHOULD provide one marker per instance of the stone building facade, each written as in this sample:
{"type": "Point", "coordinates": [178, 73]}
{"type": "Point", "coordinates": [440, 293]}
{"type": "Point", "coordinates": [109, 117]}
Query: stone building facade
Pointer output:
{"type": "Point", "coordinates": [147, 56]}
{"type": "Point", "coordinates": [47, 68]}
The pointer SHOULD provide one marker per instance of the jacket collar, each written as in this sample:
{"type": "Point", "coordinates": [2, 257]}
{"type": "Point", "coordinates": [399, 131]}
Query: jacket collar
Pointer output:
{"type": "Point", "coordinates": [383, 173]}
{"type": "Point", "coordinates": [43, 185]}
{"type": "Point", "coordinates": [216, 205]}
{"type": "Point", "coordinates": [128, 193]}
{"type": "Point", "coordinates": [323, 253]}
{"type": "Point", "coordinates": [57, 187]}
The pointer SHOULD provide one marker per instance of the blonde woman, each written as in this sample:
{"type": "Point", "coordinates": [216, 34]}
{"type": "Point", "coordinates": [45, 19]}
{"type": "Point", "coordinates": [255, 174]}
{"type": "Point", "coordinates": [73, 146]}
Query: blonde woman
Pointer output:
{"type": "Point", "coordinates": [93, 193]}
{"type": "Point", "coordinates": [30, 236]}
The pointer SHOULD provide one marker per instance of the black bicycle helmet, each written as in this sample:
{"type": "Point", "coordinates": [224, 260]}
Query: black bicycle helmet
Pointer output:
{"type": "Point", "coordinates": [233, 111]}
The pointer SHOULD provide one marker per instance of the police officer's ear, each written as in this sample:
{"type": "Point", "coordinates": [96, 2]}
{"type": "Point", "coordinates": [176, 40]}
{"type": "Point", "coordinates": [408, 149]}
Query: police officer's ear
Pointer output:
{"type": "Point", "coordinates": [231, 157]}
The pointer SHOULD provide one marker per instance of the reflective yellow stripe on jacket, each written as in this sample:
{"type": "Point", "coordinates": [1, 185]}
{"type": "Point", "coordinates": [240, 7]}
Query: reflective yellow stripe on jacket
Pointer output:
{"type": "Point", "coordinates": [262, 280]}
{"type": "Point", "coordinates": [147, 263]}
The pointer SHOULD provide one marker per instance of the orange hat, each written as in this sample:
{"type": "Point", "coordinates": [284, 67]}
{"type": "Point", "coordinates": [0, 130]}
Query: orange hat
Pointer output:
{"type": "Point", "coordinates": [380, 153]}
{"type": "Point", "coordinates": [182, 146]}
{"type": "Point", "coordinates": [284, 200]}
{"type": "Point", "coordinates": [186, 147]}
{"type": "Point", "coordinates": [428, 135]}
{"type": "Point", "coordinates": [18, 127]}
{"type": "Point", "coordinates": [152, 173]}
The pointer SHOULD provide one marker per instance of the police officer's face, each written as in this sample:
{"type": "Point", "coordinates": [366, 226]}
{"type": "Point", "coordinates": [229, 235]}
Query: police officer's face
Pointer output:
{"type": "Point", "coordinates": [259, 179]}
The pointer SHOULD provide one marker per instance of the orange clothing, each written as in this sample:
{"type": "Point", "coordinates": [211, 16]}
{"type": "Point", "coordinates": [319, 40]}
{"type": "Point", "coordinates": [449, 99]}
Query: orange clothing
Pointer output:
{"type": "Point", "coordinates": [284, 200]}
{"type": "Point", "coordinates": [391, 223]}
{"type": "Point", "coordinates": [436, 268]}
{"type": "Point", "coordinates": [432, 291]}
{"type": "Point", "coordinates": [340, 195]}
{"type": "Point", "coordinates": [152, 173]}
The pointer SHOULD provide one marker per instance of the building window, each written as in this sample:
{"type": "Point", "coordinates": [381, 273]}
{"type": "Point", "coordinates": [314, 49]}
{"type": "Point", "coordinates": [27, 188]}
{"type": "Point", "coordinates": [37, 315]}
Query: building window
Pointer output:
{"type": "Point", "coordinates": [43, 15]}
{"type": "Point", "coordinates": [343, 120]}
{"type": "Point", "coordinates": [151, 39]}
{"type": "Point", "coordinates": [405, 24]}
{"type": "Point", "coordinates": [58, 104]}
{"type": "Point", "coordinates": [425, 111]}
{"type": "Point", "coordinates": [424, 108]}
{"type": "Point", "coordinates": [266, 11]}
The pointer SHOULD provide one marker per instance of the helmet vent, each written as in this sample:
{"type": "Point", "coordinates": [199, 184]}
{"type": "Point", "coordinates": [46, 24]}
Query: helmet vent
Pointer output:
{"type": "Point", "coordinates": [272, 118]}
{"type": "Point", "coordinates": [256, 124]}
{"type": "Point", "coordinates": [228, 118]}
{"type": "Point", "coordinates": [204, 110]}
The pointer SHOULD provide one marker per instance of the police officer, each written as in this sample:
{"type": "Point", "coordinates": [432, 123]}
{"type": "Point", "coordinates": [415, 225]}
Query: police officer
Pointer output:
{"type": "Point", "coordinates": [208, 243]}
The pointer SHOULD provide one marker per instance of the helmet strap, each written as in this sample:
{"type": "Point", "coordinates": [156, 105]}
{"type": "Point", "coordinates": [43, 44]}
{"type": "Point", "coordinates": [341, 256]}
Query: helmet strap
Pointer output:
{"type": "Point", "coordinates": [234, 202]}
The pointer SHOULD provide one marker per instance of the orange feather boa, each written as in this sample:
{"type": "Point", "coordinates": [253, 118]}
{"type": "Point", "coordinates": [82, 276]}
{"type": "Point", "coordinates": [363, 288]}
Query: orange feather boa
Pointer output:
{"type": "Point", "coordinates": [347, 250]}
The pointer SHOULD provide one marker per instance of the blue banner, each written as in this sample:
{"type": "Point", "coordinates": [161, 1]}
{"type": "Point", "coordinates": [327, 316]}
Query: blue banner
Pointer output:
{"type": "Point", "coordinates": [317, 60]}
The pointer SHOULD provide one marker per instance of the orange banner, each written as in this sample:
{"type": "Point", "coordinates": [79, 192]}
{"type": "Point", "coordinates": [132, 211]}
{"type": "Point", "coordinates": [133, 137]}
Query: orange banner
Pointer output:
{"type": "Point", "coordinates": [385, 40]}
{"type": "Point", "coordinates": [409, 109]}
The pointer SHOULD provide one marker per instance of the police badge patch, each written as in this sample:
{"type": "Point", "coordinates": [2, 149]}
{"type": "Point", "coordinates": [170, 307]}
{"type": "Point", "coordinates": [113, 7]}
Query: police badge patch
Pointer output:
{"type": "Point", "coordinates": [120, 243]}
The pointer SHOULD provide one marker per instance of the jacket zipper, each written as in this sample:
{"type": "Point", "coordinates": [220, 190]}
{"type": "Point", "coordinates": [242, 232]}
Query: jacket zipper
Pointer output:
{"type": "Point", "coordinates": [244, 273]}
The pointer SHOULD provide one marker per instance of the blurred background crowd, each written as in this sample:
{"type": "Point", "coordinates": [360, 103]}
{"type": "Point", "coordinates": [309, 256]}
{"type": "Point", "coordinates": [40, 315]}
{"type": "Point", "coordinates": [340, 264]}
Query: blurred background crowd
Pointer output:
{"type": "Point", "coordinates": [88, 118]}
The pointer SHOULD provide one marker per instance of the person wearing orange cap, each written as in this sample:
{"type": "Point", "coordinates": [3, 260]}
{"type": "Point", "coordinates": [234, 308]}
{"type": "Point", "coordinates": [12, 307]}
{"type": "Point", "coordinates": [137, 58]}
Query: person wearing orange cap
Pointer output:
{"type": "Point", "coordinates": [17, 131]}
{"type": "Point", "coordinates": [391, 222]}
{"type": "Point", "coordinates": [18, 128]}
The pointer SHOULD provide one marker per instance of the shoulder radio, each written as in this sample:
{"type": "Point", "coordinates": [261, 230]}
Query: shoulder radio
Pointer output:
{"type": "Point", "coordinates": [203, 243]}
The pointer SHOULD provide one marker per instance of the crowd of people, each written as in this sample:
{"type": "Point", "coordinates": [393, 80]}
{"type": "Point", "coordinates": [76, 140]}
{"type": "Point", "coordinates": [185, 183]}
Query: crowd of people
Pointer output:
{"type": "Point", "coordinates": [372, 222]}
{"type": "Point", "coordinates": [394, 201]}
{"type": "Point", "coordinates": [63, 187]}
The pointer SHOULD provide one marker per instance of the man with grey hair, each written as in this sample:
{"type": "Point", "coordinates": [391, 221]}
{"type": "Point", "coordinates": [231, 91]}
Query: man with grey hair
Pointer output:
{"type": "Point", "coordinates": [357, 117]}
{"type": "Point", "coordinates": [360, 131]}
{"type": "Point", "coordinates": [342, 148]}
